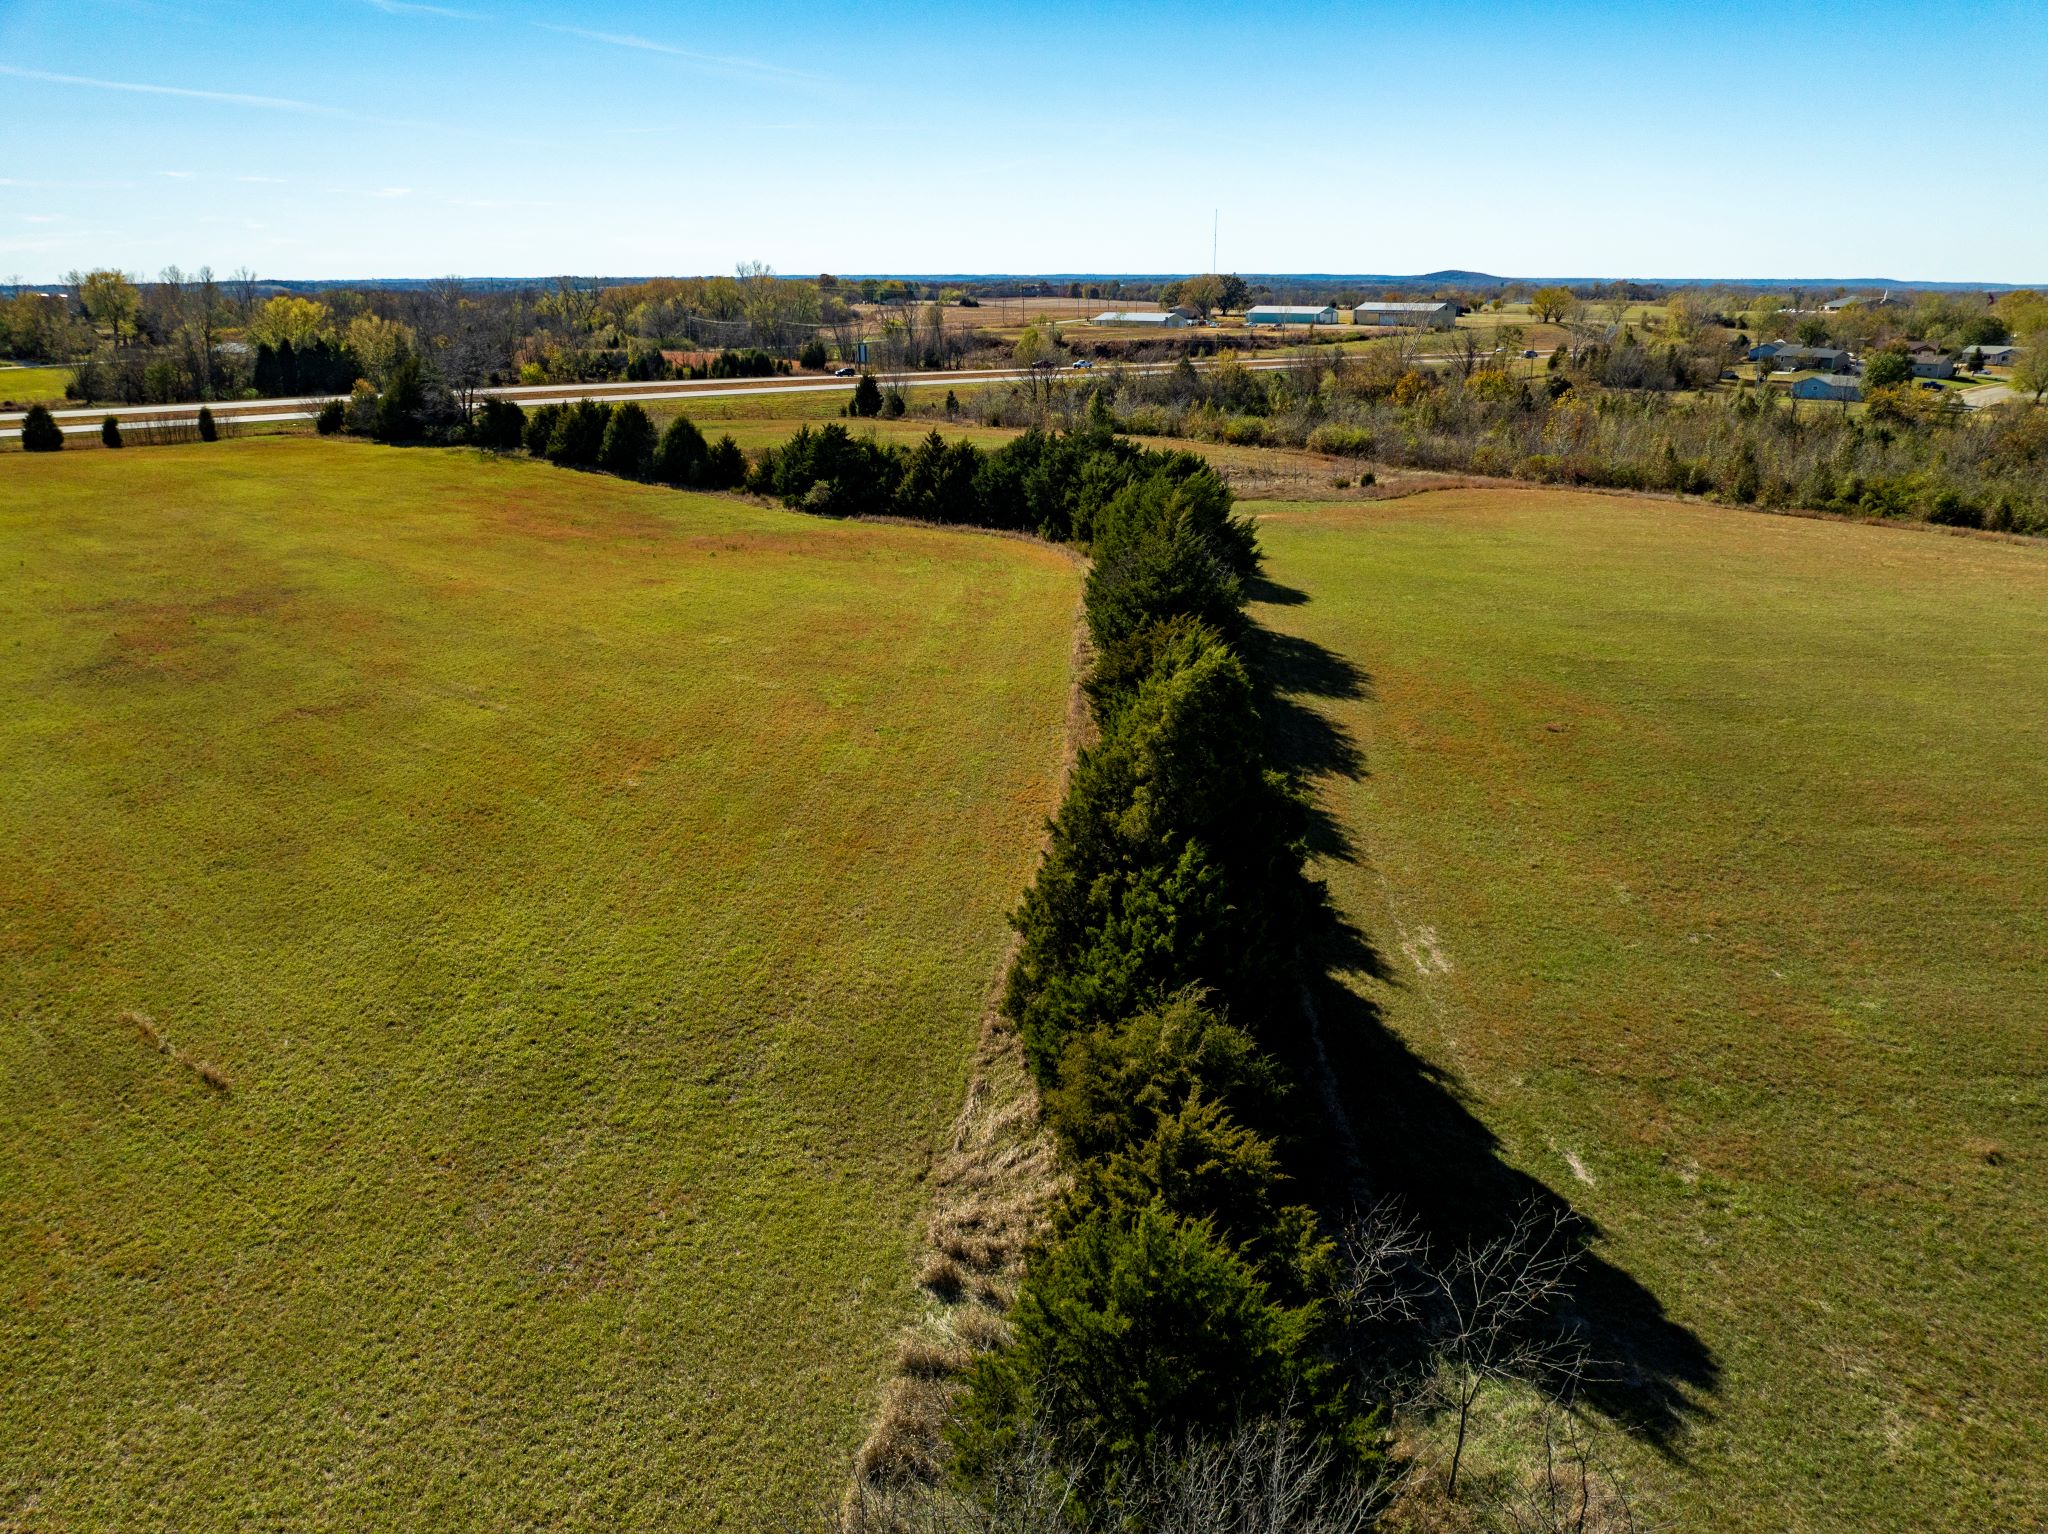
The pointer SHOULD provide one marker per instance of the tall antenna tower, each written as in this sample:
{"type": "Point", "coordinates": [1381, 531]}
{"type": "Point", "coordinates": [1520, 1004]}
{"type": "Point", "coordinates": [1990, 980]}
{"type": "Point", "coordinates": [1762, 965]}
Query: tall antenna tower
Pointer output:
{"type": "Point", "coordinates": [1215, 222]}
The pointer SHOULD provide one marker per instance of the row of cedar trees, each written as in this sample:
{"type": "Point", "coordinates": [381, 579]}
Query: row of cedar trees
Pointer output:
{"type": "Point", "coordinates": [1182, 1289]}
{"type": "Point", "coordinates": [617, 439]}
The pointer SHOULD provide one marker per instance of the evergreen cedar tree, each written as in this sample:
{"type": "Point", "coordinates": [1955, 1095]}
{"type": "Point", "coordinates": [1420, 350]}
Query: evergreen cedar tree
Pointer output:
{"type": "Point", "coordinates": [1139, 1330]}
{"type": "Point", "coordinates": [110, 432]}
{"type": "Point", "coordinates": [867, 397]}
{"type": "Point", "coordinates": [40, 432]}
{"type": "Point", "coordinates": [628, 446]}
{"type": "Point", "coordinates": [500, 426]}
{"type": "Point", "coordinates": [319, 367]}
{"type": "Point", "coordinates": [1175, 861]}
{"type": "Point", "coordinates": [1117, 1083]}
{"type": "Point", "coordinates": [682, 455]}
{"type": "Point", "coordinates": [208, 431]}
{"type": "Point", "coordinates": [401, 408]}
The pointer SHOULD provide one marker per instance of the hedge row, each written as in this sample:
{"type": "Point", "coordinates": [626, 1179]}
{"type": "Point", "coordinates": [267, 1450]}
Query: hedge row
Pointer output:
{"type": "Point", "coordinates": [1183, 1288]}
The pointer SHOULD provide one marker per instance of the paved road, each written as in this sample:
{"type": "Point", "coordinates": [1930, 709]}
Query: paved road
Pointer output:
{"type": "Point", "coordinates": [1989, 394]}
{"type": "Point", "coordinates": [84, 421]}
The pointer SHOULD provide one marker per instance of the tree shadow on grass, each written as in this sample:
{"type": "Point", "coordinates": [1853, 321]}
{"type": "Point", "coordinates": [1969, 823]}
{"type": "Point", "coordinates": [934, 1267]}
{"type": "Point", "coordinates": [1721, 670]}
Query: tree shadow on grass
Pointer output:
{"type": "Point", "coordinates": [1407, 1130]}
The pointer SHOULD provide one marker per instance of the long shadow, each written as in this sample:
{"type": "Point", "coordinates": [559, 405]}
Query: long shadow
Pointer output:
{"type": "Point", "coordinates": [1417, 1140]}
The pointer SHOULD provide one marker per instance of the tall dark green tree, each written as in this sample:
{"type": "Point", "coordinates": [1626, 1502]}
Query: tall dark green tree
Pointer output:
{"type": "Point", "coordinates": [1138, 1329]}
{"type": "Point", "coordinates": [1176, 860]}
{"type": "Point", "coordinates": [40, 432]}
{"type": "Point", "coordinates": [867, 397]}
{"type": "Point", "coordinates": [628, 449]}
{"type": "Point", "coordinates": [682, 455]}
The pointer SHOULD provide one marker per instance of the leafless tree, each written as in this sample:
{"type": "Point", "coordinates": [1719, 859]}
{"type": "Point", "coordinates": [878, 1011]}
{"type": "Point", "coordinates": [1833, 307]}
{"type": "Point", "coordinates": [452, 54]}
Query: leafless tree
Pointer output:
{"type": "Point", "coordinates": [242, 284]}
{"type": "Point", "coordinates": [207, 304]}
{"type": "Point", "coordinates": [474, 342]}
{"type": "Point", "coordinates": [1489, 1307]}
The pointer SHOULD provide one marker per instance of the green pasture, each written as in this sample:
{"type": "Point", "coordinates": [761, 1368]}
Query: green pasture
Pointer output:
{"type": "Point", "coordinates": [33, 385]}
{"type": "Point", "coordinates": [486, 956]}
{"type": "Point", "coordinates": [1707, 857]}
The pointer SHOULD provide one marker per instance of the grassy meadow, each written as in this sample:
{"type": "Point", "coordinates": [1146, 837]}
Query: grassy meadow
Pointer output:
{"type": "Point", "coordinates": [486, 956]}
{"type": "Point", "coordinates": [1707, 857]}
{"type": "Point", "coordinates": [32, 385]}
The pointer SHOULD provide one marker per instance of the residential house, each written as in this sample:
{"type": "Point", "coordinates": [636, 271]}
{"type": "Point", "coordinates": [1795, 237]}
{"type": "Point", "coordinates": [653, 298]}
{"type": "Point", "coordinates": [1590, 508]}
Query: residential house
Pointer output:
{"type": "Point", "coordinates": [1835, 386]}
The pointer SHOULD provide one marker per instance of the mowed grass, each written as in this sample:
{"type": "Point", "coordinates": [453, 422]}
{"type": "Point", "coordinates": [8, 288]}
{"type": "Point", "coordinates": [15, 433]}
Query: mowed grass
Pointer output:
{"type": "Point", "coordinates": [31, 385]}
{"type": "Point", "coordinates": [1710, 855]}
{"type": "Point", "coordinates": [589, 893]}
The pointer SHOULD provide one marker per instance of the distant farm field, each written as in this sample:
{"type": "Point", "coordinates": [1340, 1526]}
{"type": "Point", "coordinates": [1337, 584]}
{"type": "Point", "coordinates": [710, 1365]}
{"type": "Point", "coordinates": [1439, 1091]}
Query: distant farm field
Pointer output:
{"type": "Point", "coordinates": [1708, 856]}
{"type": "Point", "coordinates": [582, 897]}
{"type": "Point", "coordinates": [27, 385]}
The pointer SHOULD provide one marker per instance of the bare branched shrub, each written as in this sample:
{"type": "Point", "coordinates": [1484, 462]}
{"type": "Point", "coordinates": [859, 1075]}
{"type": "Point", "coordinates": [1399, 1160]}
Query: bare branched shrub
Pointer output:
{"type": "Point", "coordinates": [1265, 1478]}
{"type": "Point", "coordinates": [1491, 1302]}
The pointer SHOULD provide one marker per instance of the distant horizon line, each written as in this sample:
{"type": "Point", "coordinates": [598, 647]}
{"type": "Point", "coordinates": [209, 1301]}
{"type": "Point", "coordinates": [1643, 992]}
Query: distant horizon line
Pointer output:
{"type": "Point", "coordinates": [1449, 276]}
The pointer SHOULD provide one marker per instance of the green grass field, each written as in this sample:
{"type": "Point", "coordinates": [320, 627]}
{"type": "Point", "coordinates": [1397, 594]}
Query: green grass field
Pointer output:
{"type": "Point", "coordinates": [1709, 856]}
{"type": "Point", "coordinates": [29, 385]}
{"type": "Point", "coordinates": [589, 894]}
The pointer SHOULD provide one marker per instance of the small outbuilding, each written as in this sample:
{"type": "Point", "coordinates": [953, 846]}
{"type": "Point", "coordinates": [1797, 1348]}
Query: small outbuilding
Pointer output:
{"type": "Point", "coordinates": [1167, 319]}
{"type": "Point", "coordinates": [1291, 314]}
{"type": "Point", "coordinates": [1416, 316]}
{"type": "Point", "coordinates": [1835, 386]}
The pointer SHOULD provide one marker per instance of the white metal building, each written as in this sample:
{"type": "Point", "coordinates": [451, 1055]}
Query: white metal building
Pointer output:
{"type": "Point", "coordinates": [1291, 314]}
{"type": "Point", "coordinates": [1166, 318]}
{"type": "Point", "coordinates": [1421, 316]}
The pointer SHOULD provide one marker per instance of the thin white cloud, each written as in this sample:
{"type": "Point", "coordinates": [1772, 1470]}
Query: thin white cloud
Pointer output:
{"type": "Point", "coordinates": [225, 98]}
{"type": "Point", "coordinates": [176, 175]}
{"type": "Point", "coordinates": [262, 180]}
{"type": "Point", "coordinates": [717, 62]}
{"type": "Point", "coordinates": [231, 98]}
{"type": "Point", "coordinates": [402, 8]}
{"type": "Point", "coordinates": [43, 218]}
{"type": "Point", "coordinates": [68, 186]}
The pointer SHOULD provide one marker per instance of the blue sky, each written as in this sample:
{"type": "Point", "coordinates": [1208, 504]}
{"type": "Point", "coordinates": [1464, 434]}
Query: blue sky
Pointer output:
{"type": "Point", "coordinates": [311, 138]}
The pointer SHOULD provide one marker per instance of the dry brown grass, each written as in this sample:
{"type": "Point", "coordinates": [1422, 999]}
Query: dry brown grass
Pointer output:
{"type": "Point", "coordinates": [991, 1187]}
{"type": "Point", "coordinates": [145, 1026]}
